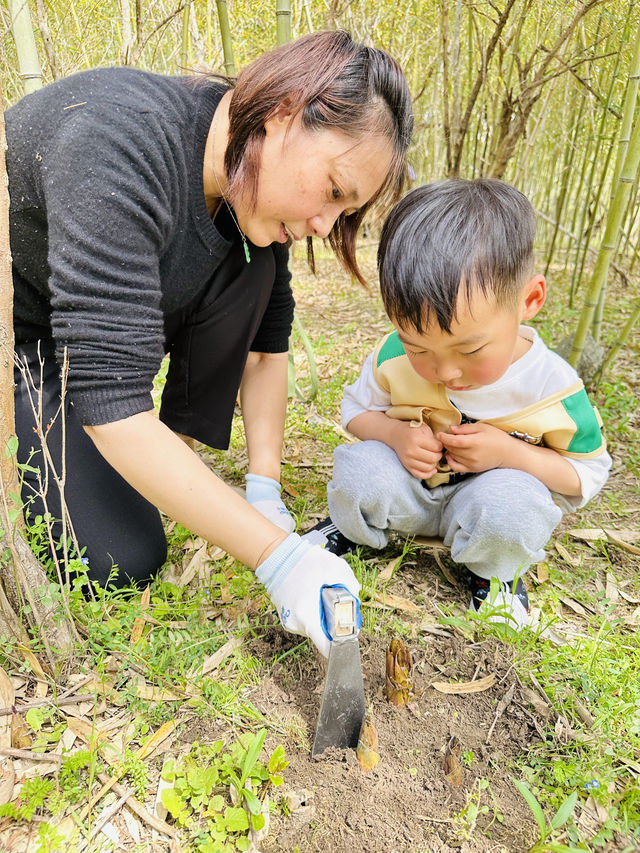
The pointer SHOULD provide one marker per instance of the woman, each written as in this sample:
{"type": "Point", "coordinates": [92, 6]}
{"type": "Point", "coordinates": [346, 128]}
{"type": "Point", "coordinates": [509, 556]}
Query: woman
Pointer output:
{"type": "Point", "coordinates": [152, 214]}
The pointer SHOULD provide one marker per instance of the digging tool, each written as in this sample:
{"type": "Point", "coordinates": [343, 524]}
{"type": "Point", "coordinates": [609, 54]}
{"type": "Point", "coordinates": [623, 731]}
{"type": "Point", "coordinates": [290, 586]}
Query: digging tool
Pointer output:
{"type": "Point", "coordinates": [343, 709]}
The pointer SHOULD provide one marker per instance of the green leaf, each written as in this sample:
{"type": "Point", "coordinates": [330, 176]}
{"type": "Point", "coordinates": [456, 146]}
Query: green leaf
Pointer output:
{"type": "Point", "coordinates": [251, 757]}
{"type": "Point", "coordinates": [35, 718]}
{"type": "Point", "coordinates": [565, 811]}
{"type": "Point", "coordinates": [252, 801]}
{"type": "Point", "coordinates": [12, 447]}
{"type": "Point", "coordinates": [172, 801]}
{"type": "Point", "coordinates": [258, 821]}
{"type": "Point", "coordinates": [216, 803]}
{"type": "Point", "coordinates": [278, 762]}
{"type": "Point", "coordinates": [236, 819]}
{"type": "Point", "coordinates": [243, 844]}
{"type": "Point", "coordinates": [534, 805]}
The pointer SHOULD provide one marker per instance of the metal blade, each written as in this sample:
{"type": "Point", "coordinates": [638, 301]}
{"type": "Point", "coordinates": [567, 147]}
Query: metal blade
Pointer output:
{"type": "Point", "coordinates": [343, 708]}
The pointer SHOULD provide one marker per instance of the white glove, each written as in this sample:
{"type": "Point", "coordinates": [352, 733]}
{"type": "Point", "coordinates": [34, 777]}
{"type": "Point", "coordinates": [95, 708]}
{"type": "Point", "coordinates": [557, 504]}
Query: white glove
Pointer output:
{"type": "Point", "coordinates": [294, 576]}
{"type": "Point", "coordinates": [263, 494]}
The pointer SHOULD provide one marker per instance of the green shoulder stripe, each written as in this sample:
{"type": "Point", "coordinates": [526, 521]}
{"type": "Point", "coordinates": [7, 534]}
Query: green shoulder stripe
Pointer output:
{"type": "Point", "coordinates": [391, 348]}
{"type": "Point", "coordinates": [587, 437]}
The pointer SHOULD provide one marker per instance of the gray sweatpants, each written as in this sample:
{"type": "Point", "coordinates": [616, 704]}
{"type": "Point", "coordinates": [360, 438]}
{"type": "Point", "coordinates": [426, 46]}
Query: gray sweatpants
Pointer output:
{"type": "Point", "coordinates": [496, 523]}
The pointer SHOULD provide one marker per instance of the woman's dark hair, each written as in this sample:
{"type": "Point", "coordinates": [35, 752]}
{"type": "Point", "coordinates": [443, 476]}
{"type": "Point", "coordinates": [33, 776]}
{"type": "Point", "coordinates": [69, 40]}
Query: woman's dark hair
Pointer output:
{"type": "Point", "coordinates": [449, 235]}
{"type": "Point", "coordinates": [334, 83]}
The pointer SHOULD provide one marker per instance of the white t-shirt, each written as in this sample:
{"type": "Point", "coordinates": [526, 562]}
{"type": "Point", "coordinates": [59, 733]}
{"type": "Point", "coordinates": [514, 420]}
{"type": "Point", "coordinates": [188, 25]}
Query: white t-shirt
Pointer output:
{"type": "Point", "coordinates": [537, 374]}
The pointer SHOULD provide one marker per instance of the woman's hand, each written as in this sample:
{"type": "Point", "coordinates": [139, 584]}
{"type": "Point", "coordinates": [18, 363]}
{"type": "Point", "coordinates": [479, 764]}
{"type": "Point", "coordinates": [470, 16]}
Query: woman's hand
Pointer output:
{"type": "Point", "coordinates": [294, 576]}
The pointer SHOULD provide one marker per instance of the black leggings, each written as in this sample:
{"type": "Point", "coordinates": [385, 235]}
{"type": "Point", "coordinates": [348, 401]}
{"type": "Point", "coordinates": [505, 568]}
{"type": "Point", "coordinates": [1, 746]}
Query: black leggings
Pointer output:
{"type": "Point", "coordinates": [208, 342]}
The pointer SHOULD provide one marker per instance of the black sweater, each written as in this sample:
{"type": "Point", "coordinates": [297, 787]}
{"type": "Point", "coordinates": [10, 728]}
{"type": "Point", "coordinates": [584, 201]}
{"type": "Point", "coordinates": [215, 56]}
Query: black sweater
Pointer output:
{"type": "Point", "coordinates": [110, 231]}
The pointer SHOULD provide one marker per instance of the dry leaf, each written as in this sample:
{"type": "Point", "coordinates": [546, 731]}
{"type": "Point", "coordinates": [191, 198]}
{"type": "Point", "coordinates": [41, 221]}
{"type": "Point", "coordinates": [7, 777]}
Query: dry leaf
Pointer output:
{"type": "Point", "coordinates": [366, 751]}
{"type": "Point", "coordinates": [399, 683]}
{"type": "Point", "coordinates": [588, 534]}
{"type": "Point", "coordinates": [626, 596]}
{"type": "Point", "coordinates": [451, 764]}
{"type": "Point", "coordinates": [20, 732]}
{"type": "Point", "coordinates": [542, 570]}
{"type": "Point", "coordinates": [615, 537]}
{"type": "Point", "coordinates": [213, 661]}
{"type": "Point", "coordinates": [7, 699]}
{"type": "Point", "coordinates": [572, 559]}
{"type": "Point", "coordinates": [387, 573]}
{"type": "Point", "coordinates": [154, 740]}
{"type": "Point", "coordinates": [476, 686]}
{"type": "Point", "coordinates": [430, 542]}
{"type": "Point", "coordinates": [197, 562]}
{"type": "Point", "coordinates": [138, 625]}
{"type": "Point", "coordinates": [611, 590]}
{"type": "Point", "coordinates": [388, 601]}
{"type": "Point", "coordinates": [41, 683]}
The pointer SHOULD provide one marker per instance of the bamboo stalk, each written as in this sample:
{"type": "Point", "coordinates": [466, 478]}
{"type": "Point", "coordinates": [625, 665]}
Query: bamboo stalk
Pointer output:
{"type": "Point", "coordinates": [283, 21]}
{"type": "Point", "coordinates": [615, 215]}
{"type": "Point", "coordinates": [225, 34]}
{"type": "Point", "coordinates": [30, 70]}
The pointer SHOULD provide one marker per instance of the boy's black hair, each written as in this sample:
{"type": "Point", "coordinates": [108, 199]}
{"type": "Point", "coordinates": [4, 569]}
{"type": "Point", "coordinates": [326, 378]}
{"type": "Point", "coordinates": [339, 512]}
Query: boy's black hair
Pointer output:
{"type": "Point", "coordinates": [451, 234]}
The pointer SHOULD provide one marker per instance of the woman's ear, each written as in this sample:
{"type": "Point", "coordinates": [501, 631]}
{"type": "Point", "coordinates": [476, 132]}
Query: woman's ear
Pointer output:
{"type": "Point", "coordinates": [534, 295]}
{"type": "Point", "coordinates": [280, 119]}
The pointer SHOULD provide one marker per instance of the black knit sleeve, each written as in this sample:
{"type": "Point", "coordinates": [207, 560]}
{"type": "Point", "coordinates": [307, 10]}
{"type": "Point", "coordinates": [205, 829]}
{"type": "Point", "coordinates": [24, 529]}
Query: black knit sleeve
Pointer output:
{"type": "Point", "coordinates": [108, 188]}
{"type": "Point", "coordinates": [275, 328]}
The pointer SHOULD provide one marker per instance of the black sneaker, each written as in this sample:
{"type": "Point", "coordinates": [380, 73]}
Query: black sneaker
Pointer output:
{"type": "Point", "coordinates": [509, 604]}
{"type": "Point", "coordinates": [325, 533]}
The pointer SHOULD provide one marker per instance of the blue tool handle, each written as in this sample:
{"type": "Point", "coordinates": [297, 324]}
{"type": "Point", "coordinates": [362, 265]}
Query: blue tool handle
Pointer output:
{"type": "Point", "coordinates": [341, 612]}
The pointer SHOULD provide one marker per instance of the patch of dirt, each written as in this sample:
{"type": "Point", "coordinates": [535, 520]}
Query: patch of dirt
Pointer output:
{"type": "Point", "coordinates": [406, 802]}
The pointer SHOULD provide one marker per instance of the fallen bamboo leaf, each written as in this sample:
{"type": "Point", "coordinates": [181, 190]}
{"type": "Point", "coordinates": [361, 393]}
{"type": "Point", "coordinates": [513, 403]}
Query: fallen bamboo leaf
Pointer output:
{"type": "Point", "coordinates": [445, 571]}
{"type": "Point", "coordinates": [387, 573]}
{"type": "Point", "coordinates": [588, 534]}
{"type": "Point", "coordinates": [430, 542]}
{"type": "Point", "coordinates": [7, 780]}
{"type": "Point", "coordinates": [571, 559]}
{"type": "Point", "coordinates": [615, 538]}
{"type": "Point", "coordinates": [626, 596]}
{"type": "Point", "coordinates": [398, 682]}
{"type": "Point", "coordinates": [451, 764]}
{"type": "Point", "coordinates": [611, 590]}
{"type": "Point", "coordinates": [42, 686]}
{"type": "Point", "coordinates": [196, 563]}
{"type": "Point", "coordinates": [476, 686]}
{"type": "Point", "coordinates": [366, 751]}
{"type": "Point", "coordinates": [211, 663]}
{"type": "Point", "coordinates": [154, 740]}
{"type": "Point", "coordinates": [95, 739]}
{"type": "Point", "coordinates": [139, 623]}
{"type": "Point", "coordinates": [388, 601]}
{"type": "Point", "coordinates": [542, 571]}
{"type": "Point", "coordinates": [7, 698]}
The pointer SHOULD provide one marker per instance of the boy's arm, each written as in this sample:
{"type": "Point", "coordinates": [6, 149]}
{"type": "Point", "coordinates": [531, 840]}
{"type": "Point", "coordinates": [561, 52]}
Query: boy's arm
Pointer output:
{"type": "Point", "coordinates": [472, 448]}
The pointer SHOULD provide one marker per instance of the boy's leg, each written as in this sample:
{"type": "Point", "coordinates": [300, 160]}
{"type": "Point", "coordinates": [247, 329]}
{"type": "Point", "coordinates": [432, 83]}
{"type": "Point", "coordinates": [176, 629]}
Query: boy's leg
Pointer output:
{"type": "Point", "coordinates": [497, 523]}
{"type": "Point", "coordinates": [371, 493]}
{"type": "Point", "coordinates": [111, 520]}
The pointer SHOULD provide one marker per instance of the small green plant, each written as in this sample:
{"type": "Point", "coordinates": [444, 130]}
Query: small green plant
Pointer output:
{"type": "Point", "coordinates": [545, 843]}
{"type": "Point", "coordinates": [217, 795]}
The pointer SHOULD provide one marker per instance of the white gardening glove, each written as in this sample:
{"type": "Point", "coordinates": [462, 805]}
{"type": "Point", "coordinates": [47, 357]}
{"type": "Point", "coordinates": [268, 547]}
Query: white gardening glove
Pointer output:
{"type": "Point", "coordinates": [294, 576]}
{"type": "Point", "coordinates": [263, 494]}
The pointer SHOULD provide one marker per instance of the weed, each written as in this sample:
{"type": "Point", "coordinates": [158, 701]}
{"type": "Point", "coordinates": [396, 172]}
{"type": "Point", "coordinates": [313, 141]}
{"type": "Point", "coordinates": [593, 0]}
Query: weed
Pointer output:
{"type": "Point", "coordinates": [217, 795]}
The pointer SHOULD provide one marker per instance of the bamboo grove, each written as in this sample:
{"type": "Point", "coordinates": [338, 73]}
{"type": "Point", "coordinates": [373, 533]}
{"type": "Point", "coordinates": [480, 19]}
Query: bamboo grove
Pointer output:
{"type": "Point", "coordinates": [542, 93]}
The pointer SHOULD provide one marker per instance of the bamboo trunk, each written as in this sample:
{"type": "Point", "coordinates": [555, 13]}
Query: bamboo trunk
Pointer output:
{"type": "Point", "coordinates": [30, 70]}
{"type": "Point", "coordinates": [225, 33]}
{"type": "Point", "coordinates": [283, 21]}
{"type": "Point", "coordinates": [615, 215]}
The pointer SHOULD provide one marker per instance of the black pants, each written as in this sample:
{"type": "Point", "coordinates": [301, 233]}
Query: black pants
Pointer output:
{"type": "Point", "coordinates": [208, 342]}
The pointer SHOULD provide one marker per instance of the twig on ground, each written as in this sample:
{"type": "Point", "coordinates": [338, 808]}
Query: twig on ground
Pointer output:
{"type": "Point", "coordinates": [137, 807]}
{"type": "Point", "coordinates": [51, 703]}
{"type": "Point", "coordinates": [11, 752]}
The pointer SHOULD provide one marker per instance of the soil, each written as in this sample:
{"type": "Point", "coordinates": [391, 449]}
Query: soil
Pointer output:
{"type": "Point", "coordinates": [416, 798]}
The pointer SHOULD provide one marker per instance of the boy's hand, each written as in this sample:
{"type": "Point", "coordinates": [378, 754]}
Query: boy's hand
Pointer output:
{"type": "Point", "coordinates": [472, 448]}
{"type": "Point", "coordinates": [417, 448]}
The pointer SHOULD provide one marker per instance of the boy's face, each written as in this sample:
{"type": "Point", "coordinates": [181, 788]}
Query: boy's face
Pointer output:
{"type": "Point", "coordinates": [483, 342]}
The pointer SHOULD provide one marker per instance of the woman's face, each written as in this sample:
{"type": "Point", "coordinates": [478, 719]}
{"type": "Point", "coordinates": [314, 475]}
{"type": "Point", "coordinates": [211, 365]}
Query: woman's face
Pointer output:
{"type": "Point", "coordinates": [308, 178]}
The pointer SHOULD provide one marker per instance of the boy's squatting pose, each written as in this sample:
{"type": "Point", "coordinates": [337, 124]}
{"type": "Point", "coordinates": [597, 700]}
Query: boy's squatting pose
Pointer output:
{"type": "Point", "coordinates": [471, 428]}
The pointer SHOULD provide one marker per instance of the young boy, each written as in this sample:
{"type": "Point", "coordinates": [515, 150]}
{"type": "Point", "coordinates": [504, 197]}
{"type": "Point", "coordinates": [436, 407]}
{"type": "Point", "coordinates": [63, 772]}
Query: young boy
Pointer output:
{"type": "Point", "coordinates": [471, 428]}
